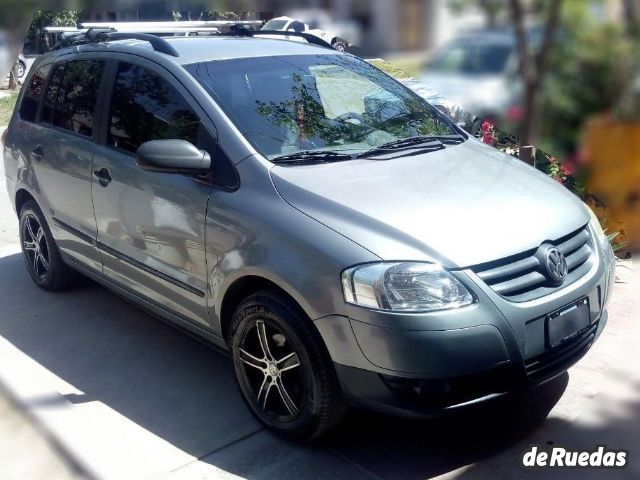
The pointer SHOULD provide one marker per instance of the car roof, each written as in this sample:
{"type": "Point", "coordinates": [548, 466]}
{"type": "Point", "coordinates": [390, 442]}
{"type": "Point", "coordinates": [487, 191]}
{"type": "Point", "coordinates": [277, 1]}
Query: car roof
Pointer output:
{"type": "Point", "coordinates": [209, 48]}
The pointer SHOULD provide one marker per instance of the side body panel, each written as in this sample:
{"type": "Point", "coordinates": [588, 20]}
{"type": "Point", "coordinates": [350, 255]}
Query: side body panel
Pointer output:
{"type": "Point", "coordinates": [150, 226]}
{"type": "Point", "coordinates": [54, 166]}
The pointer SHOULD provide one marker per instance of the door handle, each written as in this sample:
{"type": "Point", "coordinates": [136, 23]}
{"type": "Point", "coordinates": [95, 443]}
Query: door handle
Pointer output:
{"type": "Point", "coordinates": [103, 176]}
{"type": "Point", "coordinates": [37, 153]}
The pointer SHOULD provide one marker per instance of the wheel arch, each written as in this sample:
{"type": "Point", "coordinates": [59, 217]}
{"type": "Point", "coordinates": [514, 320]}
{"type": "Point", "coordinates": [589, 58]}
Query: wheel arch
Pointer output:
{"type": "Point", "coordinates": [240, 289]}
{"type": "Point", "coordinates": [22, 196]}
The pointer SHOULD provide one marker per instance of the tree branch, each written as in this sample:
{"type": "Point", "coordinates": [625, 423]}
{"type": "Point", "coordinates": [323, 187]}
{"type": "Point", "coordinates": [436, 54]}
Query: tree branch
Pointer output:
{"type": "Point", "coordinates": [551, 28]}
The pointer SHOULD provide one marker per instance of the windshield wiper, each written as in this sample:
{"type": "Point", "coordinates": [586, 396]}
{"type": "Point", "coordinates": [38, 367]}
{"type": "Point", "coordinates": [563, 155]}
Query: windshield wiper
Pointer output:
{"type": "Point", "coordinates": [421, 143]}
{"type": "Point", "coordinates": [454, 139]}
{"type": "Point", "coordinates": [319, 156]}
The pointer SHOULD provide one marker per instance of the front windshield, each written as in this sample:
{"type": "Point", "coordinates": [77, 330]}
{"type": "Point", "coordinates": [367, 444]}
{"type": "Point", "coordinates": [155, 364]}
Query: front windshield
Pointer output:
{"type": "Point", "coordinates": [289, 104]}
{"type": "Point", "coordinates": [274, 25]}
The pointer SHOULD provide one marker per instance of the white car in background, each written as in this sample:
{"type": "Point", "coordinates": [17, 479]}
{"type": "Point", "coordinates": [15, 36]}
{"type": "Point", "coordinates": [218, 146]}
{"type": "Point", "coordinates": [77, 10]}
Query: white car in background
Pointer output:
{"type": "Point", "coordinates": [288, 24]}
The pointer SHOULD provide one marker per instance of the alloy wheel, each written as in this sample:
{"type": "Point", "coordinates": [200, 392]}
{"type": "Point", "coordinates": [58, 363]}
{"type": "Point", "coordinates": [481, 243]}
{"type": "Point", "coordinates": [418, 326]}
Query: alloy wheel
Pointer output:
{"type": "Point", "coordinates": [34, 245]}
{"type": "Point", "coordinates": [272, 370]}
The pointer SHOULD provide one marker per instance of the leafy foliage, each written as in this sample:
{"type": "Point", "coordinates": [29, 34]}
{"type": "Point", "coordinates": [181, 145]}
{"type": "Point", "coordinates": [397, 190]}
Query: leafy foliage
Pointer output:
{"type": "Point", "coordinates": [590, 69]}
{"type": "Point", "coordinates": [7, 104]}
{"type": "Point", "coordinates": [47, 18]}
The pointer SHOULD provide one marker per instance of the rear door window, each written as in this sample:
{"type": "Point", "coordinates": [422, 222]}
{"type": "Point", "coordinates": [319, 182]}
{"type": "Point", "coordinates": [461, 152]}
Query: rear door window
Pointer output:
{"type": "Point", "coordinates": [77, 96]}
{"type": "Point", "coordinates": [33, 94]}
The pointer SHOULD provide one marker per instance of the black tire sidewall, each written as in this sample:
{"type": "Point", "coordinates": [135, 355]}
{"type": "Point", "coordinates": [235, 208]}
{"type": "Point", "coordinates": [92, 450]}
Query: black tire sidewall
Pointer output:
{"type": "Point", "coordinates": [52, 278]}
{"type": "Point", "coordinates": [244, 320]}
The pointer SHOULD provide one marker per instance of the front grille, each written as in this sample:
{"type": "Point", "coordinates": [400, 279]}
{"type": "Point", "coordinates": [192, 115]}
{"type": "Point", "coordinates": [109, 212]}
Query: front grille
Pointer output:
{"type": "Point", "coordinates": [560, 358]}
{"type": "Point", "coordinates": [522, 277]}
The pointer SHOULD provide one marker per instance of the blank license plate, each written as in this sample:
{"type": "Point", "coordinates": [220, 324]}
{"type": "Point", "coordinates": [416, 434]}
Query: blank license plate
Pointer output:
{"type": "Point", "coordinates": [565, 323]}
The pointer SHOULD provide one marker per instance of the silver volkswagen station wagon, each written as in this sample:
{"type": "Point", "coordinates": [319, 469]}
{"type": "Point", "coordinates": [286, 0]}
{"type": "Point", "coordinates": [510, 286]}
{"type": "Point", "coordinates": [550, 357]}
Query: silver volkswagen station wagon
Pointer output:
{"type": "Point", "coordinates": [344, 241]}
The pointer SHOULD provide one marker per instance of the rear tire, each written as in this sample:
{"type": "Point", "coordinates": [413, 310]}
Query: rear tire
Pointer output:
{"type": "Point", "coordinates": [41, 255]}
{"type": "Point", "coordinates": [21, 69]}
{"type": "Point", "coordinates": [283, 368]}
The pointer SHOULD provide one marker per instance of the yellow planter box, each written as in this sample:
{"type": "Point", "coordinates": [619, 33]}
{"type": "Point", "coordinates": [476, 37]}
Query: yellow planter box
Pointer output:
{"type": "Point", "coordinates": [612, 151]}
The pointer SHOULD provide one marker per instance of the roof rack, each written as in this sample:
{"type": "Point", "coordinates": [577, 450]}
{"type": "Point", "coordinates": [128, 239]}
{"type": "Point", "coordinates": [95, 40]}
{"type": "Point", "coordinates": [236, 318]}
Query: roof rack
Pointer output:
{"type": "Point", "coordinates": [149, 32]}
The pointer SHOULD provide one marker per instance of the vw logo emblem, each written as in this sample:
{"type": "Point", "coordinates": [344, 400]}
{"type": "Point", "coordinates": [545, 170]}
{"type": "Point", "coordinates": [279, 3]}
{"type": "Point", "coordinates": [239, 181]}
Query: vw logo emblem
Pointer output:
{"type": "Point", "coordinates": [556, 265]}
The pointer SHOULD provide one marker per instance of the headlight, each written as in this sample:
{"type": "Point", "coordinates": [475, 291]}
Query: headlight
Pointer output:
{"type": "Point", "coordinates": [597, 228]}
{"type": "Point", "coordinates": [404, 287]}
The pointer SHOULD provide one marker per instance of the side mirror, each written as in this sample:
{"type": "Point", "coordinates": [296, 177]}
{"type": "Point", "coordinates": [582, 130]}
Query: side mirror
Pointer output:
{"type": "Point", "coordinates": [172, 156]}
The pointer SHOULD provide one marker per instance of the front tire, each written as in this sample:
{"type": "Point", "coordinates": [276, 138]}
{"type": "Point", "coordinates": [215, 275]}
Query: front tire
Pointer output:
{"type": "Point", "coordinates": [283, 369]}
{"type": "Point", "coordinates": [41, 255]}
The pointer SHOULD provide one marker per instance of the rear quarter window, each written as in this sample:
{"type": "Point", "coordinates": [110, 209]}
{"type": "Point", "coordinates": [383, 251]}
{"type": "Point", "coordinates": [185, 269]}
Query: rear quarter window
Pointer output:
{"type": "Point", "coordinates": [33, 94]}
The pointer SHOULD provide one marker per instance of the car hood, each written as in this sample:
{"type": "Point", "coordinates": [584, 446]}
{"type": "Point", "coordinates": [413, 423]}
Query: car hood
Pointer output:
{"type": "Point", "coordinates": [461, 206]}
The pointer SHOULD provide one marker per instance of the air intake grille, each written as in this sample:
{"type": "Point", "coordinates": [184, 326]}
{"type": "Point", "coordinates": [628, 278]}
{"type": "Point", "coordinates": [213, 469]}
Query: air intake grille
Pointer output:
{"type": "Point", "coordinates": [562, 357]}
{"type": "Point", "coordinates": [523, 277]}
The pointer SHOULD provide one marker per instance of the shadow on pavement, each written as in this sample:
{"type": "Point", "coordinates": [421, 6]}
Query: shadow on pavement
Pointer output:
{"type": "Point", "coordinates": [183, 391]}
{"type": "Point", "coordinates": [167, 382]}
{"type": "Point", "coordinates": [404, 448]}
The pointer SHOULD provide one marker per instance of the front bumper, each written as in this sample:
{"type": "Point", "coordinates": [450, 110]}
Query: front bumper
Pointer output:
{"type": "Point", "coordinates": [429, 363]}
{"type": "Point", "coordinates": [429, 396]}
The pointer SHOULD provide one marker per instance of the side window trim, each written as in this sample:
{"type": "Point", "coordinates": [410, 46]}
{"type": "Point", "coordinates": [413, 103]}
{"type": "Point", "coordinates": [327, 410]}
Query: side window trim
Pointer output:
{"type": "Point", "coordinates": [101, 126]}
{"type": "Point", "coordinates": [46, 89]}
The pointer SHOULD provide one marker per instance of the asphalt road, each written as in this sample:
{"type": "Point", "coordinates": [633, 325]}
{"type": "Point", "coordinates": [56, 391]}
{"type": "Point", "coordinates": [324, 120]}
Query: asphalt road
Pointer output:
{"type": "Point", "coordinates": [128, 396]}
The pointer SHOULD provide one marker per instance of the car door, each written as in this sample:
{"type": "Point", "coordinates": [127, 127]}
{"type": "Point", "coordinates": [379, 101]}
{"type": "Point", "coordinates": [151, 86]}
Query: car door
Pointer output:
{"type": "Point", "coordinates": [60, 147]}
{"type": "Point", "coordinates": [150, 226]}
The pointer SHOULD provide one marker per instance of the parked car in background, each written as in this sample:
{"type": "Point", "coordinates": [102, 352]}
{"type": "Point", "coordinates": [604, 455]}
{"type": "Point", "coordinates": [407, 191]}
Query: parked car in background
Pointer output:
{"type": "Point", "coordinates": [342, 238]}
{"type": "Point", "coordinates": [478, 72]}
{"type": "Point", "coordinates": [21, 66]}
{"type": "Point", "coordinates": [461, 117]}
{"type": "Point", "coordinates": [5, 58]}
{"type": "Point", "coordinates": [341, 36]}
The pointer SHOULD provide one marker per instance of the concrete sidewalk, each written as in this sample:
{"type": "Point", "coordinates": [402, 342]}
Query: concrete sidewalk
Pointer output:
{"type": "Point", "coordinates": [127, 396]}
{"type": "Point", "coordinates": [18, 435]}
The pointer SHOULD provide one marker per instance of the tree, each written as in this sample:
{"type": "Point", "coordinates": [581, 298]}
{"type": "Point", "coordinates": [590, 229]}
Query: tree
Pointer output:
{"type": "Point", "coordinates": [631, 10]}
{"type": "Point", "coordinates": [46, 18]}
{"type": "Point", "coordinates": [532, 69]}
{"type": "Point", "coordinates": [492, 9]}
{"type": "Point", "coordinates": [13, 84]}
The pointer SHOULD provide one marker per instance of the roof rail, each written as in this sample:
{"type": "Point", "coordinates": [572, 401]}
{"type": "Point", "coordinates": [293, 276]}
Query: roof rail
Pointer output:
{"type": "Point", "coordinates": [72, 37]}
{"type": "Point", "coordinates": [240, 31]}
{"type": "Point", "coordinates": [159, 44]}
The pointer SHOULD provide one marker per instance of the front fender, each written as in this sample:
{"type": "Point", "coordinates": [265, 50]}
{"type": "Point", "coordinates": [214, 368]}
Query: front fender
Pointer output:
{"type": "Point", "coordinates": [254, 232]}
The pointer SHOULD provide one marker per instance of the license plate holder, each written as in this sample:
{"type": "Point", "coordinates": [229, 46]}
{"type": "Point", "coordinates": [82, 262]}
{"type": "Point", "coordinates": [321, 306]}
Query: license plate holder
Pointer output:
{"type": "Point", "coordinates": [568, 321]}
